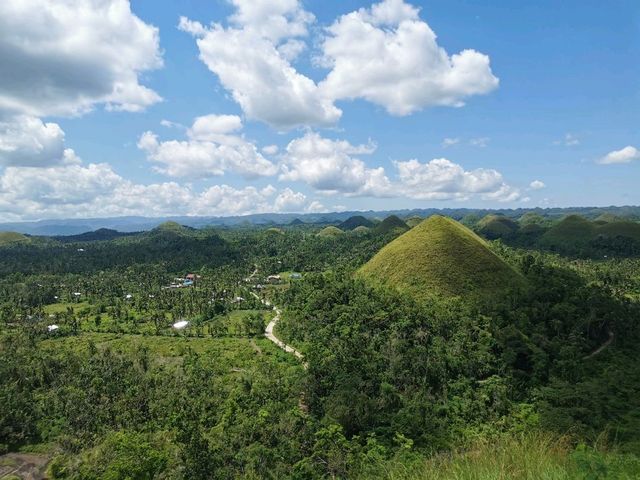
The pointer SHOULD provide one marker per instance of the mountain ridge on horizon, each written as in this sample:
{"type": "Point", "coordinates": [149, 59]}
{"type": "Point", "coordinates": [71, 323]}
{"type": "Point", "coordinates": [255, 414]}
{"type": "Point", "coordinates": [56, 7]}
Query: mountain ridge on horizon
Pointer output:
{"type": "Point", "coordinates": [134, 223]}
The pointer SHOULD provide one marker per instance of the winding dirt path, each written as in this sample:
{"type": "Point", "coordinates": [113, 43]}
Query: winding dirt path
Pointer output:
{"type": "Point", "coordinates": [272, 324]}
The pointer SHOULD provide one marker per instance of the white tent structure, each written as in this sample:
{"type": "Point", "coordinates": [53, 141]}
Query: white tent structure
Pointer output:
{"type": "Point", "coordinates": [52, 328]}
{"type": "Point", "coordinates": [181, 325]}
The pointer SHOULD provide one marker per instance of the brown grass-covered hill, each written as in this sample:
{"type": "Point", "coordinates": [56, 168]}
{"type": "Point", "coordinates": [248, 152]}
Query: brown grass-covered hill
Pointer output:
{"type": "Point", "coordinates": [441, 257]}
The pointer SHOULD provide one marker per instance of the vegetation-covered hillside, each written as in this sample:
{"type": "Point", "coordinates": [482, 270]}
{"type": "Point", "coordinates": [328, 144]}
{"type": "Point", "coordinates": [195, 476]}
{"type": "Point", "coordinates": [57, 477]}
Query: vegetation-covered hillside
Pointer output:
{"type": "Point", "coordinates": [145, 357]}
{"type": "Point", "coordinates": [354, 222]}
{"type": "Point", "coordinates": [7, 238]}
{"type": "Point", "coordinates": [391, 224]}
{"type": "Point", "coordinates": [496, 226]}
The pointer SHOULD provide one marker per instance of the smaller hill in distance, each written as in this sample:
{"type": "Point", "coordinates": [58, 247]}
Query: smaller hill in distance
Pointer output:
{"type": "Point", "coordinates": [442, 257]}
{"type": "Point", "coordinates": [608, 217]}
{"type": "Point", "coordinates": [295, 222]}
{"type": "Point", "coordinates": [330, 232]}
{"type": "Point", "coordinates": [98, 235]}
{"type": "Point", "coordinates": [354, 222]}
{"type": "Point", "coordinates": [496, 226]}
{"type": "Point", "coordinates": [274, 231]}
{"type": "Point", "coordinates": [361, 229]}
{"type": "Point", "coordinates": [621, 228]}
{"type": "Point", "coordinates": [10, 238]}
{"type": "Point", "coordinates": [171, 227]}
{"type": "Point", "coordinates": [392, 223]}
{"type": "Point", "coordinates": [532, 218]}
{"type": "Point", "coordinates": [572, 229]}
{"type": "Point", "coordinates": [413, 221]}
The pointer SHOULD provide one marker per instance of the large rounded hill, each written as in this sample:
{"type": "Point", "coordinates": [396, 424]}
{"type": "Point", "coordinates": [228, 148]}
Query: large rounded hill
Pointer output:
{"type": "Point", "coordinates": [444, 258]}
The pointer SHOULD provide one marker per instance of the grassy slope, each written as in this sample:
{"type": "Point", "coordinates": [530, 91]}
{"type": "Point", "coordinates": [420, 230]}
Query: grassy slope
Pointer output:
{"type": "Point", "coordinates": [330, 232]}
{"type": "Point", "coordinates": [441, 256]}
{"type": "Point", "coordinates": [531, 456]}
{"type": "Point", "coordinates": [7, 238]}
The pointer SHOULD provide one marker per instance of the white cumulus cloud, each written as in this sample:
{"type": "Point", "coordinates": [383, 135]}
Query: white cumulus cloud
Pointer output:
{"type": "Point", "coordinates": [389, 56]}
{"type": "Point", "coordinates": [537, 185]}
{"type": "Point", "coordinates": [64, 57]}
{"type": "Point", "coordinates": [95, 190]}
{"type": "Point", "coordinates": [28, 141]}
{"type": "Point", "coordinates": [252, 58]}
{"type": "Point", "coordinates": [330, 166]}
{"type": "Point", "coordinates": [213, 147]}
{"type": "Point", "coordinates": [442, 179]}
{"type": "Point", "coordinates": [385, 54]}
{"type": "Point", "coordinates": [625, 155]}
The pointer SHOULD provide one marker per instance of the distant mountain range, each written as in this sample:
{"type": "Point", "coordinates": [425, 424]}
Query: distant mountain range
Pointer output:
{"type": "Point", "coordinates": [136, 224]}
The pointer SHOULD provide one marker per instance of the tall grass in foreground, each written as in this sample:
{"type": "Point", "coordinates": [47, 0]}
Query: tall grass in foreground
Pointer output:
{"type": "Point", "coordinates": [533, 456]}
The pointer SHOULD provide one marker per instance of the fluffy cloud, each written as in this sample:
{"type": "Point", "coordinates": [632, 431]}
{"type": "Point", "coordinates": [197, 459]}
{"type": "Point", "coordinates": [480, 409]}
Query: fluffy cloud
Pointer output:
{"type": "Point", "coordinates": [62, 58]}
{"type": "Point", "coordinates": [625, 155]}
{"type": "Point", "coordinates": [441, 179]}
{"type": "Point", "coordinates": [78, 190]}
{"type": "Point", "coordinates": [213, 147]}
{"type": "Point", "coordinates": [330, 166]}
{"type": "Point", "coordinates": [27, 141]}
{"type": "Point", "coordinates": [537, 185]}
{"type": "Point", "coordinates": [390, 57]}
{"type": "Point", "coordinates": [253, 58]}
{"type": "Point", "coordinates": [386, 55]}
{"type": "Point", "coordinates": [290, 201]}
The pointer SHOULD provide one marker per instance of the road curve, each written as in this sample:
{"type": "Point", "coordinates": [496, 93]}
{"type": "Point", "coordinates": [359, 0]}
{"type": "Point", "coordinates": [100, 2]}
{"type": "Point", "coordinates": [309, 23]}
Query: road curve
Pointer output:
{"type": "Point", "coordinates": [271, 336]}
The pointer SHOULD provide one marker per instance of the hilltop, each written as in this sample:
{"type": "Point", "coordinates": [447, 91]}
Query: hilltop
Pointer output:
{"type": "Point", "coordinates": [442, 257]}
{"type": "Point", "coordinates": [330, 232]}
{"type": "Point", "coordinates": [98, 235]}
{"type": "Point", "coordinates": [390, 224]}
{"type": "Point", "coordinates": [7, 238]}
{"type": "Point", "coordinates": [354, 222]}
{"type": "Point", "coordinates": [573, 229]}
{"type": "Point", "coordinates": [496, 226]}
{"type": "Point", "coordinates": [621, 228]}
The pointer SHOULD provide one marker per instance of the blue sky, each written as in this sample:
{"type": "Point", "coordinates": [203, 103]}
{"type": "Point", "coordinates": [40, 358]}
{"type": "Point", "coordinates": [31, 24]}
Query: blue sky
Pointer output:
{"type": "Point", "coordinates": [551, 110]}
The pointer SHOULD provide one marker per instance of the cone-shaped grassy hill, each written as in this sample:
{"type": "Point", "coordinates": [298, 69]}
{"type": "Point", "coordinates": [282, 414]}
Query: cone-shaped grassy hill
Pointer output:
{"type": "Point", "coordinates": [620, 229]}
{"type": "Point", "coordinates": [531, 218]}
{"type": "Point", "coordinates": [441, 257]}
{"type": "Point", "coordinates": [361, 229]}
{"type": "Point", "coordinates": [330, 232]}
{"type": "Point", "coordinates": [608, 217]}
{"type": "Point", "coordinates": [497, 226]}
{"type": "Point", "coordinates": [7, 238]}
{"type": "Point", "coordinates": [354, 222]}
{"type": "Point", "coordinates": [390, 224]}
{"type": "Point", "coordinates": [571, 230]}
{"type": "Point", "coordinates": [170, 227]}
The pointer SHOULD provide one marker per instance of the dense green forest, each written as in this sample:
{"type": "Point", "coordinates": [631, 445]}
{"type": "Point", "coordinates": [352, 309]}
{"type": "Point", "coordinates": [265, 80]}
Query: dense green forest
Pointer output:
{"type": "Point", "coordinates": [433, 353]}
